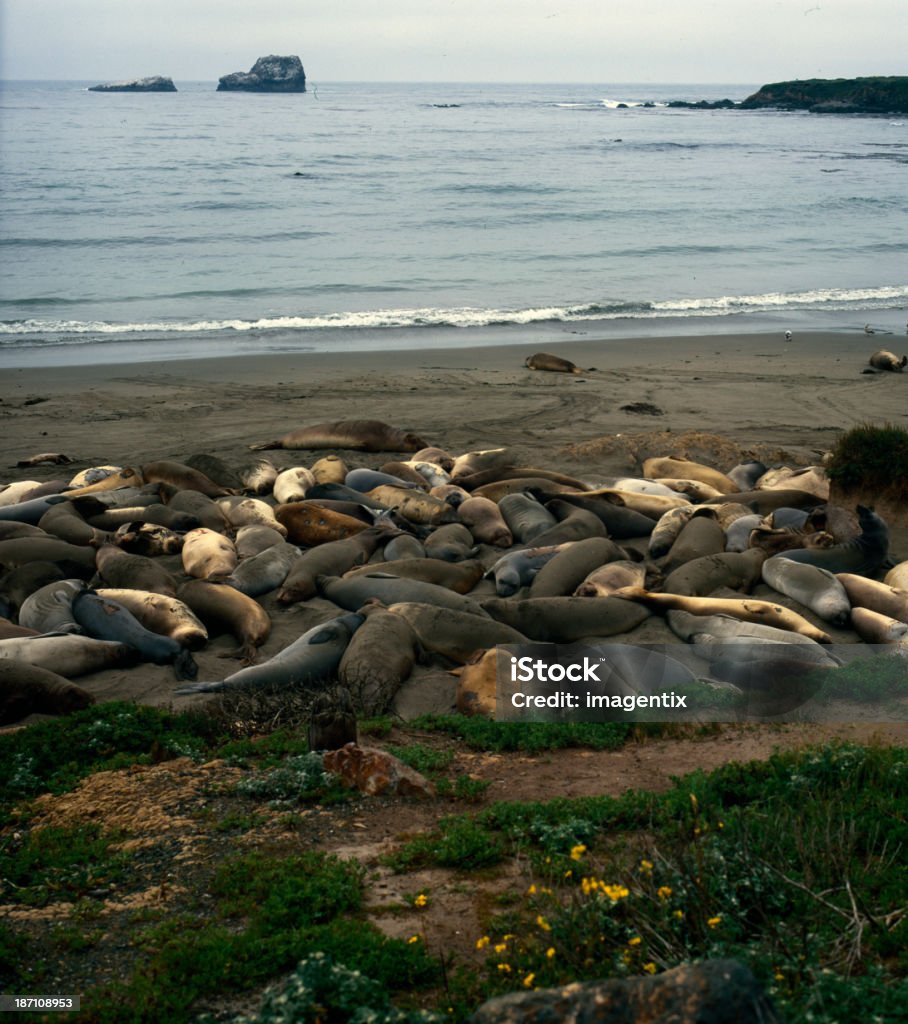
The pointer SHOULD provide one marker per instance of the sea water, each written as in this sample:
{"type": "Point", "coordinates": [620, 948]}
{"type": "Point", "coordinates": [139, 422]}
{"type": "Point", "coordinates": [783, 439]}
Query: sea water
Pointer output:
{"type": "Point", "coordinates": [363, 216]}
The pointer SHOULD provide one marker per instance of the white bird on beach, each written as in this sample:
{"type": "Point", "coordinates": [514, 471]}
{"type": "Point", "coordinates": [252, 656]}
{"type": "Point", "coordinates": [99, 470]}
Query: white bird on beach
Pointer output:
{"type": "Point", "coordinates": [868, 329]}
{"type": "Point", "coordinates": [788, 335]}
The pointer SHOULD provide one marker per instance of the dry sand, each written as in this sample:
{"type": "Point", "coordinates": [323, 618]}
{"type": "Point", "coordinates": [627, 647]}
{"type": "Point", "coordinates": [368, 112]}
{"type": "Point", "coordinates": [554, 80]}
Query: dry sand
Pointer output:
{"type": "Point", "coordinates": [783, 402]}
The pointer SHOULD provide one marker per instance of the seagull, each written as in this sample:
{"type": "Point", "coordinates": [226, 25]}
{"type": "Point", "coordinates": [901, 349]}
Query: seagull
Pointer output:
{"type": "Point", "coordinates": [788, 335]}
{"type": "Point", "coordinates": [868, 329]}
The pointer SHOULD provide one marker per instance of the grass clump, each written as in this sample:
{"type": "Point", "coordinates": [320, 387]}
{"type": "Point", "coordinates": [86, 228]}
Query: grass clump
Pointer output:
{"type": "Point", "coordinates": [297, 779]}
{"type": "Point", "coordinates": [872, 458]}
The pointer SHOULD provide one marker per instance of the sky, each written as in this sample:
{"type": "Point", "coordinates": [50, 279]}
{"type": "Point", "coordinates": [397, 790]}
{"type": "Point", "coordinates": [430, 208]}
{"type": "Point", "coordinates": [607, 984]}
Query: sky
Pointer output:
{"type": "Point", "coordinates": [596, 41]}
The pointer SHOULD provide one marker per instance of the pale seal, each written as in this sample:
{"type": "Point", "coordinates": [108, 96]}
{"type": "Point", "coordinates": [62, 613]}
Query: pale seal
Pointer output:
{"type": "Point", "coordinates": [49, 608]}
{"type": "Point", "coordinates": [878, 597]}
{"type": "Point", "coordinates": [684, 469]}
{"type": "Point", "coordinates": [610, 578]}
{"type": "Point", "coordinates": [483, 519]}
{"type": "Point", "coordinates": [159, 613]}
{"type": "Point", "coordinates": [815, 588]}
{"type": "Point", "coordinates": [885, 360]}
{"type": "Point", "coordinates": [206, 554]}
{"type": "Point", "coordinates": [355, 435]}
{"type": "Point", "coordinates": [69, 655]}
{"type": "Point", "coordinates": [311, 659]}
{"type": "Point", "coordinates": [876, 628]}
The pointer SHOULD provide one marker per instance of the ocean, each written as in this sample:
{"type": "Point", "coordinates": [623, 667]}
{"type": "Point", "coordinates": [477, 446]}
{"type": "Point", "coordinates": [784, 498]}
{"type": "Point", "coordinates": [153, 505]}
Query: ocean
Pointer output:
{"type": "Point", "coordinates": [362, 216]}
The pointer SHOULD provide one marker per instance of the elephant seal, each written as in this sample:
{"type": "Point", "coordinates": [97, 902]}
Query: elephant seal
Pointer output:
{"type": "Point", "coordinates": [452, 634]}
{"type": "Point", "coordinates": [18, 584]}
{"type": "Point", "coordinates": [378, 659]}
{"type": "Point", "coordinates": [107, 620]}
{"type": "Point", "coordinates": [571, 565]}
{"type": "Point", "coordinates": [49, 608]}
{"type": "Point", "coordinates": [728, 569]}
{"type": "Point", "coordinates": [621, 523]}
{"type": "Point", "coordinates": [293, 484]}
{"type": "Point", "coordinates": [452, 542]}
{"type": "Point", "coordinates": [652, 505]}
{"type": "Point", "coordinates": [863, 555]}
{"type": "Point", "coordinates": [519, 568]}
{"type": "Point", "coordinates": [637, 486]}
{"type": "Point", "coordinates": [258, 476]}
{"type": "Point", "coordinates": [240, 511]}
{"type": "Point", "coordinates": [484, 521]}
{"type": "Point", "coordinates": [538, 487]}
{"type": "Point", "coordinates": [15, 492]}
{"type": "Point", "coordinates": [183, 477]}
{"type": "Point", "coordinates": [407, 473]}
{"type": "Point", "coordinates": [450, 493]}
{"type": "Point", "coordinates": [355, 435]}
{"type": "Point", "coordinates": [815, 588]}
{"type": "Point", "coordinates": [610, 578]}
{"type": "Point", "coordinates": [217, 471]}
{"type": "Point", "coordinates": [745, 608]}
{"type": "Point", "coordinates": [330, 469]}
{"type": "Point", "coordinates": [554, 364]}
{"type": "Point", "coordinates": [701, 535]}
{"type": "Point", "coordinates": [405, 545]}
{"type": "Point", "coordinates": [460, 577]}
{"type": "Point", "coordinates": [574, 524]}
{"type": "Point", "coordinates": [696, 490]}
{"type": "Point", "coordinates": [22, 550]}
{"type": "Point", "coordinates": [159, 613]}
{"type": "Point", "coordinates": [312, 658]}
{"type": "Point", "coordinates": [886, 360]}
{"type": "Point", "coordinates": [475, 462]}
{"type": "Point", "coordinates": [70, 656]}
{"type": "Point", "coordinates": [414, 505]}
{"type": "Point", "coordinates": [253, 540]}
{"type": "Point", "coordinates": [878, 597]}
{"type": "Point", "coordinates": [737, 535]}
{"type": "Point", "coordinates": [321, 494]}
{"type": "Point", "coordinates": [776, 542]}
{"type": "Point", "coordinates": [10, 530]}
{"type": "Point", "coordinates": [526, 518]}
{"type": "Point", "coordinates": [205, 509]}
{"type": "Point", "coordinates": [745, 475]}
{"type": "Point", "coordinates": [31, 512]}
{"type": "Point", "coordinates": [206, 554]}
{"type": "Point", "coordinates": [222, 608]}
{"type": "Point", "coordinates": [265, 571]}
{"type": "Point", "coordinates": [333, 558]}
{"type": "Point", "coordinates": [436, 455]}
{"type": "Point", "coordinates": [766, 501]}
{"type": "Point", "coordinates": [353, 592]}
{"type": "Point", "coordinates": [432, 474]}
{"type": "Point", "coordinates": [117, 568]}
{"type": "Point", "coordinates": [103, 478]}
{"type": "Point", "coordinates": [722, 628]}
{"type": "Point", "coordinates": [26, 689]}
{"type": "Point", "coordinates": [812, 479]}
{"type": "Point", "coordinates": [876, 628]}
{"type": "Point", "coordinates": [365, 480]}
{"type": "Point", "coordinates": [148, 539]}
{"type": "Point", "coordinates": [898, 576]}
{"type": "Point", "coordinates": [562, 620]}
{"type": "Point", "coordinates": [477, 682]}
{"type": "Point", "coordinates": [683, 469]}
{"type": "Point", "coordinates": [10, 631]}
{"type": "Point", "coordinates": [311, 524]}
{"type": "Point", "coordinates": [63, 521]}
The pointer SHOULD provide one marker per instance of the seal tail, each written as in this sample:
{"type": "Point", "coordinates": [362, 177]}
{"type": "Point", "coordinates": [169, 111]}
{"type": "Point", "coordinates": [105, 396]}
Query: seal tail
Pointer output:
{"type": "Point", "coordinates": [265, 446]}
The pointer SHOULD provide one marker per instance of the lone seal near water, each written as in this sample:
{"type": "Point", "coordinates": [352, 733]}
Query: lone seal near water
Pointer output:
{"type": "Point", "coordinates": [357, 435]}
{"type": "Point", "coordinates": [885, 360]}
{"type": "Point", "coordinates": [555, 364]}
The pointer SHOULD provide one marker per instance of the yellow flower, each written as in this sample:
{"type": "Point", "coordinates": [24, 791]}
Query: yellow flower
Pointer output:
{"type": "Point", "coordinates": [550, 952]}
{"type": "Point", "coordinates": [568, 874]}
{"type": "Point", "coordinates": [678, 914]}
{"type": "Point", "coordinates": [646, 865]}
{"type": "Point", "coordinates": [532, 890]}
{"type": "Point", "coordinates": [421, 900]}
{"type": "Point", "coordinates": [543, 924]}
{"type": "Point", "coordinates": [615, 892]}
{"type": "Point", "coordinates": [413, 939]}
{"type": "Point", "coordinates": [635, 941]}
{"type": "Point", "coordinates": [528, 981]}
{"type": "Point", "coordinates": [721, 824]}
{"type": "Point", "coordinates": [505, 968]}
{"type": "Point", "coordinates": [779, 976]}
{"type": "Point", "coordinates": [693, 802]}
{"type": "Point", "coordinates": [500, 947]}
{"type": "Point", "coordinates": [650, 968]}
{"type": "Point", "coordinates": [483, 942]}
{"type": "Point", "coordinates": [664, 891]}
{"type": "Point", "coordinates": [578, 851]}
{"type": "Point", "coordinates": [714, 922]}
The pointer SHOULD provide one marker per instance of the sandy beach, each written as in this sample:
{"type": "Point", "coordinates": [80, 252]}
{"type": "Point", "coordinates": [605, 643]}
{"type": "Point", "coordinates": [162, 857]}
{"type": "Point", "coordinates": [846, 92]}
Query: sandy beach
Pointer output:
{"type": "Point", "coordinates": [783, 402]}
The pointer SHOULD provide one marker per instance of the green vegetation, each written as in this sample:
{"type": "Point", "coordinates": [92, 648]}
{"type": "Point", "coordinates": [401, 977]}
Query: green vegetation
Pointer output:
{"type": "Point", "coordinates": [533, 737]}
{"type": "Point", "coordinates": [873, 459]}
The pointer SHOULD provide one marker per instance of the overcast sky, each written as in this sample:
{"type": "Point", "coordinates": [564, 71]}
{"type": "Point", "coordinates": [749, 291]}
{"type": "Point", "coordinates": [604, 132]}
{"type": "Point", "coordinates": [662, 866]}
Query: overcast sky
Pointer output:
{"type": "Point", "coordinates": [600, 41]}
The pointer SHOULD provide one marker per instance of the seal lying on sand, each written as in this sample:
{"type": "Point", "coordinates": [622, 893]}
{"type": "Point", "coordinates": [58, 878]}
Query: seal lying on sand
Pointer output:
{"type": "Point", "coordinates": [357, 435]}
{"type": "Point", "coordinates": [555, 364]}
{"type": "Point", "coordinates": [885, 360]}
{"type": "Point", "coordinates": [25, 689]}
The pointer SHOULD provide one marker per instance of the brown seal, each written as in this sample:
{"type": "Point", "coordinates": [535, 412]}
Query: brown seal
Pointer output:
{"type": "Point", "coordinates": [485, 522]}
{"type": "Point", "coordinates": [554, 364]}
{"type": "Point", "coordinates": [222, 608]}
{"type": "Point", "coordinates": [562, 620]}
{"type": "Point", "coordinates": [415, 505]}
{"type": "Point", "coordinates": [886, 360]}
{"type": "Point", "coordinates": [118, 568]}
{"type": "Point", "coordinates": [332, 558]}
{"type": "Point", "coordinates": [878, 597]}
{"type": "Point", "coordinates": [309, 523]}
{"type": "Point", "coordinates": [183, 477]}
{"type": "Point", "coordinates": [26, 689]}
{"type": "Point", "coordinates": [356, 435]}
{"type": "Point", "coordinates": [567, 570]}
{"type": "Point", "coordinates": [454, 634]}
{"type": "Point", "coordinates": [610, 578]}
{"type": "Point", "coordinates": [682, 469]}
{"type": "Point", "coordinates": [460, 577]}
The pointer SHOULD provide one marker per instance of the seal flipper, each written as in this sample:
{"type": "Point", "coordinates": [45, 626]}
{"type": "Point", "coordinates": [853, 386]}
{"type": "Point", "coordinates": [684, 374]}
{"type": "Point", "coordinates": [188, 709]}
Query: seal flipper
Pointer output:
{"type": "Point", "coordinates": [266, 446]}
{"type": "Point", "coordinates": [184, 666]}
{"type": "Point", "coordinates": [215, 687]}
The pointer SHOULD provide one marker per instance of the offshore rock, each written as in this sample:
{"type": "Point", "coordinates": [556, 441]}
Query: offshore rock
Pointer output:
{"type": "Point", "coordinates": [711, 992]}
{"type": "Point", "coordinates": [268, 74]}
{"type": "Point", "coordinates": [874, 95]}
{"type": "Point", "coordinates": [156, 83]}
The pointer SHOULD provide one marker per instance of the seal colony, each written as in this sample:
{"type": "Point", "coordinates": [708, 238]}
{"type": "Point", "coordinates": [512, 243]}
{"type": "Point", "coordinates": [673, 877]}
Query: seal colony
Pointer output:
{"type": "Point", "coordinates": [376, 567]}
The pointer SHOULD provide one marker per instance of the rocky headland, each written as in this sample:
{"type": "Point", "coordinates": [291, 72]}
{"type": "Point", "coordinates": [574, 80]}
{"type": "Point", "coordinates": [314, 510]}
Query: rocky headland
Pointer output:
{"type": "Point", "coordinates": [155, 83]}
{"type": "Point", "coordinates": [268, 74]}
{"type": "Point", "coordinates": [876, 95]}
